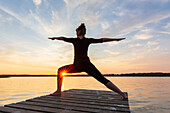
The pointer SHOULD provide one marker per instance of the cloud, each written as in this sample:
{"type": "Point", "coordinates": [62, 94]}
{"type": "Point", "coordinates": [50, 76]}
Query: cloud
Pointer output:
{"type": "Point", "coordinates": [9, 19]}
{"type": "Point", "coordinates": [125, 19]}
{"type": "Point", "coordinates": [41, 58]}
{"type": "Point", "coordinates": [88, 12]}
{"type": "Point", "coordinates": [126, 26]}
{"type": "Point", "coordinates": [136, 20]}
{"type": "Point", "coordinates": [141, 64]}
{"type": "Point", "coordinates": [112, 52]}
{"type": "Point", "coordinates": [5, 18]}
{"type": "Point", "coordinates": [135, 45]}
{"type": "Point", "coordinates": [156, 48]}
{"type": "Point", "coordinates": [48, 55]}
{"type": "Point", "coordinates": [10, 12]}
{"type": "Point", "coordinates": [23, 19]}
{"type": "Point", "coordinates": [164, 32]}
{"type": "Point", "coordinates": [156, 63]}
{"type": "Point", "coordinates": [35, 22]}
{"type": "Point", "coordinates": [167, 26]}
{"type": "Point", "coordinates": [144, 48]}
{"type": "Point", "coordinates": [37, 2]}
{"type": "Point", "coordinates": [143, 36]}
{"type": "Point", "coordinates": [105, 25]}
{"type": "Point", "coordinates": [150, 43]}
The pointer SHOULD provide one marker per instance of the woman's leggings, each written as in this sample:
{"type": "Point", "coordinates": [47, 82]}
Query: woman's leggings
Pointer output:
{"type": "Point", "coordinates": [89, 68]}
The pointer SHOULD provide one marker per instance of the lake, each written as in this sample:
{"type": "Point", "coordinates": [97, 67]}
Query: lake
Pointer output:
{"type": "Point", "coordinates": [146, 94]}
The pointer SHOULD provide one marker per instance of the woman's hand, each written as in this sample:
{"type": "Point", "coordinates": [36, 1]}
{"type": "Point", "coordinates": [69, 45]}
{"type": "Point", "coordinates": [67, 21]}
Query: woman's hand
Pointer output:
{"type": "Point", "coordinates": [53, 38]}
{"type": "Point", "coordinates": [120, 39]}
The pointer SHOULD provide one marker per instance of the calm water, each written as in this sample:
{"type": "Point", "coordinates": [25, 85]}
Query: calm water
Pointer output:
{"type": "Point", "coordinates": [146, 94]}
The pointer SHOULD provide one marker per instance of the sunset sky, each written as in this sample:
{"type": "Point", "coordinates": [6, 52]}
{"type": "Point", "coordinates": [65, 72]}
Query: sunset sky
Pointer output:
{"type": "Point", "coordinates": [25, 26]}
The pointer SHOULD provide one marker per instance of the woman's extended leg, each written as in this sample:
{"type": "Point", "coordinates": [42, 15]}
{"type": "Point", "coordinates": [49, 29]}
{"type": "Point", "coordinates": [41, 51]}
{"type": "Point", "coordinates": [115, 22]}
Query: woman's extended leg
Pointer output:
{"type": "Point", "coordinates": [65, 69]}
{"type": "Point", "coordinates": [114, 88]}
{"type": "Point", "coordinates": [93, 71]}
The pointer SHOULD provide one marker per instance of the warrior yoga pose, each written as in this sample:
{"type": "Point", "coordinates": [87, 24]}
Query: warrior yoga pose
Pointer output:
{"type": "Point", "coordinates": [82, 62]}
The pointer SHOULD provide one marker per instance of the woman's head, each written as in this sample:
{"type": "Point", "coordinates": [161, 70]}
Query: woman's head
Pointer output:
{"type": "Point", "coordinates": [81, 30]}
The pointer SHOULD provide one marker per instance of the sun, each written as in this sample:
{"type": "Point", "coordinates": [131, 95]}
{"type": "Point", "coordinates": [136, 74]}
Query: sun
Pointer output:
{"type": "Point", "coordinates": [63, 73]}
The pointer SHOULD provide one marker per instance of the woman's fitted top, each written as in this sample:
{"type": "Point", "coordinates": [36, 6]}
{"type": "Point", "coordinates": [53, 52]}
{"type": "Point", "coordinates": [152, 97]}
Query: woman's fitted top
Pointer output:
{"type": "Point", "coordinates": [81, 48]}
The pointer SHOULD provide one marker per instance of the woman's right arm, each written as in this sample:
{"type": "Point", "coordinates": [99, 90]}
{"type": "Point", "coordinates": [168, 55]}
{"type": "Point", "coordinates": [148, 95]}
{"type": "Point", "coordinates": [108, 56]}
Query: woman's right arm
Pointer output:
{"type": "Point", "coordinates": [71, 40]}
{"type": "Point", "coordinates": [57, 38]}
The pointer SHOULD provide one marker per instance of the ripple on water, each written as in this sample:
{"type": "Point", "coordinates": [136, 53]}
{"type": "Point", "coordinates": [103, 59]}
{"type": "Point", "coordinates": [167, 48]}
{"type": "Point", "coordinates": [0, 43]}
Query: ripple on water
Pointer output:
{"type": "Point", "coordinates": [146, 94]}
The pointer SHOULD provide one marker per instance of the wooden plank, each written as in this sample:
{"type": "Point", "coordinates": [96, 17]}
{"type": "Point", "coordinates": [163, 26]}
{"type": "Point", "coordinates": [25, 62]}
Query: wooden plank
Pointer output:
{"type": "Point", "coordinates": [97, 94]}
{"type": "Point", "coordinates": [88, 101]}
{"type": "Point", "coordinates": [104, 107]}
{"type": "Point", "coordinates": [72, 108]}
{"type": "Point", "coordinates": [40, 108]}
{"type": "Point", "coordinates": [111, 94]}
{"type": "Point", "coordinates": [81, 97]}
{"type": "Point", "coordinates": [94, 97]}
{"type": "Point", "coordinates": [15, 110]}
{"type": "Point", "coordinates": [92, 91]}
{"type": "Point", "coordinates": [73, 101]}
{"type": "Point", "coordinates": [112, 101]}
{"type": "Point", "coordinates": [91, 94]}
{"type": "Point", "coordinates": [80, 102]}
{"type": "Point", "coordinates": [2, 112]}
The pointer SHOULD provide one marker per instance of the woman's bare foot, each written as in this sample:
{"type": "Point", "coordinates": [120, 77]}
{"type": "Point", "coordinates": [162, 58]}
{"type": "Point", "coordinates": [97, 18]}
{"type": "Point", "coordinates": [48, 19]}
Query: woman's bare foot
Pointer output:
{"type": "Point", "coordinates": [124, 96]}
{"type": "Point", "coordinates": [56, 93]}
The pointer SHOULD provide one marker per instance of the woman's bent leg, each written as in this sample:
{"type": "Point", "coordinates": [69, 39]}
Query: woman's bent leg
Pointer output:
{"type": "Point", "coordinates": [66, 69]}
{"type": "Point", "coordinates": [59, 83]}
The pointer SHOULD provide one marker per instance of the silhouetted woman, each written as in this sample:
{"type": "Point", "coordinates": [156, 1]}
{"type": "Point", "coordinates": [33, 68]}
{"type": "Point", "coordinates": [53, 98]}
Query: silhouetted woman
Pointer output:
{"type": "Point", "coordinates": [82, 62]}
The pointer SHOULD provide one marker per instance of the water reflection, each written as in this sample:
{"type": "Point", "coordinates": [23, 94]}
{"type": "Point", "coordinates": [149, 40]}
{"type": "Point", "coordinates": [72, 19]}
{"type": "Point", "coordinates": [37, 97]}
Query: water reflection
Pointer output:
{"type": "Point", "coordinates": [17, 89]}
{"type": "Point", "coordinates": [146, 94]}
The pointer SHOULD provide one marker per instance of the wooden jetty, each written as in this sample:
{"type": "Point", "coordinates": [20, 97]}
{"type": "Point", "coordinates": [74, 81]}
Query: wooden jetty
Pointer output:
{"type": "Point", "coordinates": [71, 101]}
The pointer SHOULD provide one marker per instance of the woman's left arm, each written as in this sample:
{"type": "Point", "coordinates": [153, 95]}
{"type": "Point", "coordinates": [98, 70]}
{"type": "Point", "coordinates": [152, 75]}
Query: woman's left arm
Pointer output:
{"type": "Point", "coordinates": [112, 39]}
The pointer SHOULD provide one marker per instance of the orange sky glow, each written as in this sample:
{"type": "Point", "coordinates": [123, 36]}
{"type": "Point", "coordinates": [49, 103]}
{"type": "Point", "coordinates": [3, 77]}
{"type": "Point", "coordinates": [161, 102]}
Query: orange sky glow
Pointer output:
{"type": "Point", "coordinates": [26, 25]}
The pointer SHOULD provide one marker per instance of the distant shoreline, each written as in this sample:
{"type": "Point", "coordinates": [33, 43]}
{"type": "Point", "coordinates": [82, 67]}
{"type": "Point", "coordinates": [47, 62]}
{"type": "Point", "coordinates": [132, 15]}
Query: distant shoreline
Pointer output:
{"type": "Point", "coordinates": [107, 75]}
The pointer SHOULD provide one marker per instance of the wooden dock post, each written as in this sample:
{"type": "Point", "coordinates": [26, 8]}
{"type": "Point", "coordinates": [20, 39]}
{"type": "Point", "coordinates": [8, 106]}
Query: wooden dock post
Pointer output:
{"type": "Point", "coordinates": [72, 101]}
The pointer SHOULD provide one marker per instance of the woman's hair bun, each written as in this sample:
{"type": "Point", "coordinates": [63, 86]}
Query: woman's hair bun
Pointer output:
{"type": "Point", "coordinates": [81, 26]}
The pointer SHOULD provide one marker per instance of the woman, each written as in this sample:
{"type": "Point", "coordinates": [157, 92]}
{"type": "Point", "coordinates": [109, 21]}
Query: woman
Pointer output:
{"type": "Point", "coordinates": [82, 62]}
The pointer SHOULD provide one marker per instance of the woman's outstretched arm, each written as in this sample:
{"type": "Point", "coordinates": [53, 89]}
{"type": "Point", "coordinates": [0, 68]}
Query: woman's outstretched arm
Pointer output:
{"type": "Point", "coordinates": [57, 38]}
{"type": "Point", "coordinates": [112, 39]}
{"type": "Point", "coordinates": [71, 40]}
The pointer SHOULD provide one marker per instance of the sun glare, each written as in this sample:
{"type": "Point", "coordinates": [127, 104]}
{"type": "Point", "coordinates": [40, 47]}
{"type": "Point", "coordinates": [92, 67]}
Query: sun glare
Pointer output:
{"type": "Point", "coordinates": [63, 73]}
